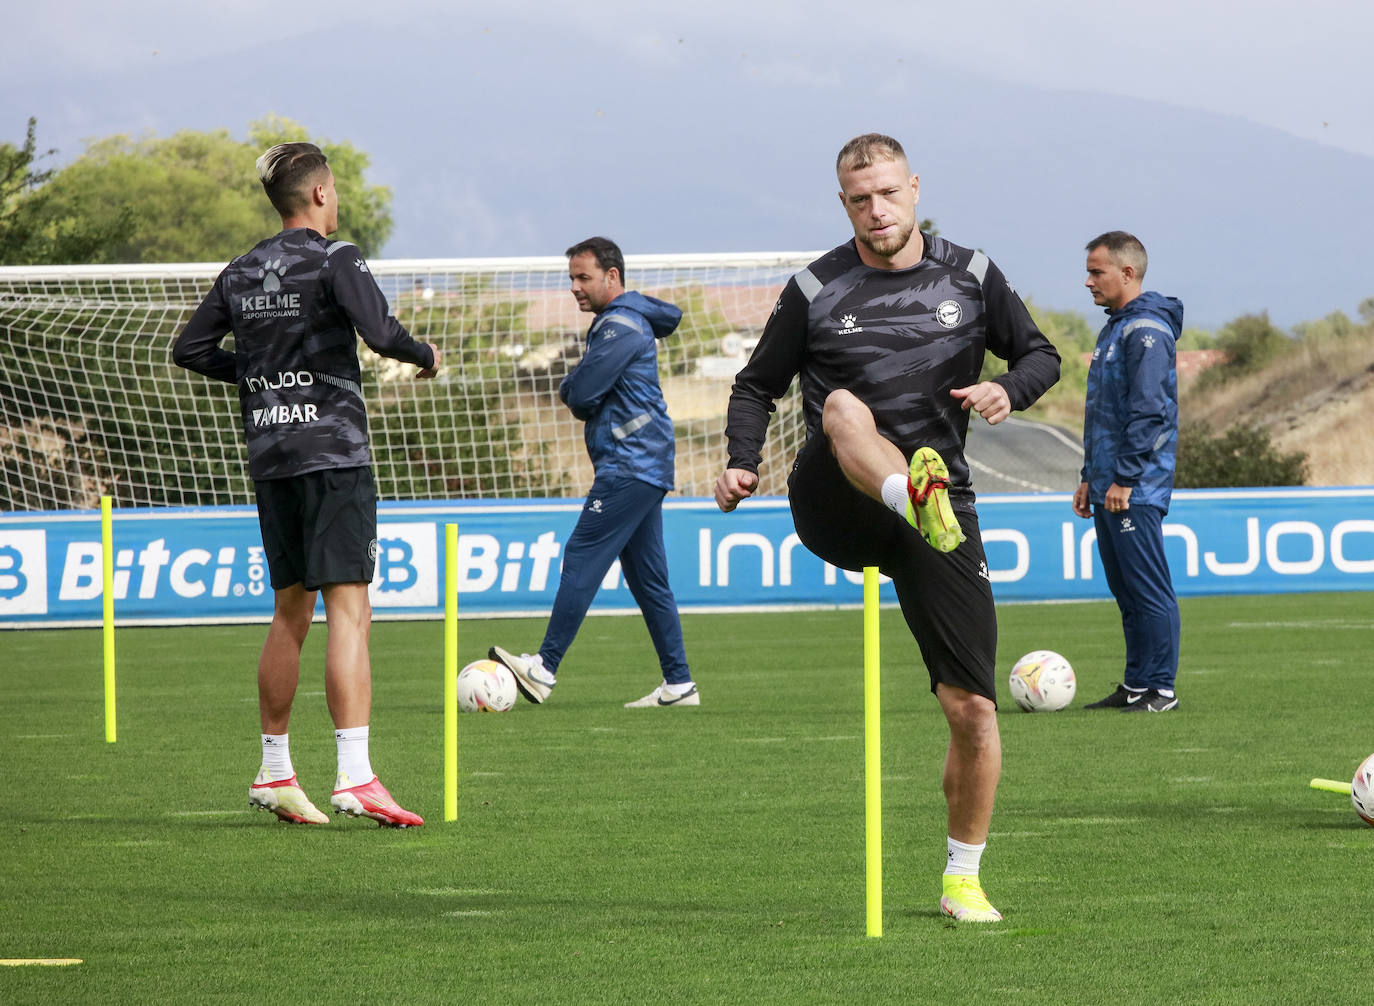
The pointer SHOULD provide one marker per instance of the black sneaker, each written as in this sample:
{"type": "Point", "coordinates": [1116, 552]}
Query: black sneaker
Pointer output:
{"type": "Point", "coordinates": [1151, 701]}
{"type": "Point", "coordinates": [1116, 700]}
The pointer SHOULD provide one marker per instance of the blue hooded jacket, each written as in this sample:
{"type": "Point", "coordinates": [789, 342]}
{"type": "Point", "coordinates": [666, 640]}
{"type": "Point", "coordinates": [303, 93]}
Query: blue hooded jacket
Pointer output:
{"type": "Point", "coordinates": [1130, 417]}
{"type": "Point", "coordinates": [614, 389]}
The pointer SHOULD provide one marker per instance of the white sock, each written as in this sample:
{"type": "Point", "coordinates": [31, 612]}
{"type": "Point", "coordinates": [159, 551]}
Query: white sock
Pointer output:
{"type": "Point", "coordinates": [895, 494]}
{"type": "Point", "coordinates": [679, 688]}
{"type": "Point", "coordinates": [276, 758]}
{"type": "Point", "coordinates": [354, 767]}
{"type": "Point", "coordinates": [963, 859]}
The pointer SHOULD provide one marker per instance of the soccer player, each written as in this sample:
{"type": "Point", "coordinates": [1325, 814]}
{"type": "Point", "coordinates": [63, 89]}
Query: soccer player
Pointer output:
{"type": "Point", "coordinates": [888, 332]}
{"type": "Point", "coordinates": [1130, 437]}
{"type": "Point", "coordinates": [293, 304]}
{"type": "Point", "coordinates": [614, 390]}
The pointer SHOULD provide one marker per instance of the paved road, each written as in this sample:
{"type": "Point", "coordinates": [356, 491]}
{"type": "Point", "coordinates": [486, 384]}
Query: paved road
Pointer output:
{"type": "Point", "coordinates": [1019, 456]}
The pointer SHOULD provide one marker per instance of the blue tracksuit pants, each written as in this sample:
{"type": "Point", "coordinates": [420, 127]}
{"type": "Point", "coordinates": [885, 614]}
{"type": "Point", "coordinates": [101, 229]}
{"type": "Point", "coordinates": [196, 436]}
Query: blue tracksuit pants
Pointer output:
{"type": "Point", "coordinates": [621, 518]}
{"type": "Point", "coordinates": [1131, 545]}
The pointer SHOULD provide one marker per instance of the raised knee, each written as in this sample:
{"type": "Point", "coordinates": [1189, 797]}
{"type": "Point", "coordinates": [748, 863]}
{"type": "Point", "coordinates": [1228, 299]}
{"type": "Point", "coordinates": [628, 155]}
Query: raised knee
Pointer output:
{"type": "Point", "coordinates": [843, 411]}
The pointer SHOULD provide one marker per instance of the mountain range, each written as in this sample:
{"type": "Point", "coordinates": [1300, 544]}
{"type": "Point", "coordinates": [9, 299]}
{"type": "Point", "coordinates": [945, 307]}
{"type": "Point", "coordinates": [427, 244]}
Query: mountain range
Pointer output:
{"type": "Point", "coordinates": [504, 138]}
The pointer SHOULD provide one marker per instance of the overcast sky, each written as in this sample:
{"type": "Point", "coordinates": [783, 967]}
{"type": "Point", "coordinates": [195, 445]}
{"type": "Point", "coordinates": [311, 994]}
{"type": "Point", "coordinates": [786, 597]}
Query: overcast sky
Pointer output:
{"type": "Point", "coordinates": [1304, 67]}
{"type": "Point", "coordinates": [513, 128]}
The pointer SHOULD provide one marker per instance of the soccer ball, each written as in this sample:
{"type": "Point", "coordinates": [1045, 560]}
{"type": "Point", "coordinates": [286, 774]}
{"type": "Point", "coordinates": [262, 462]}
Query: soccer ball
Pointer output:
{"type": "Point", "coordinates": [1362, 791]}
{"type": "Point", "coordinates": [486, 686]}
{"type": "Point", "coordinates": [1042, 682]}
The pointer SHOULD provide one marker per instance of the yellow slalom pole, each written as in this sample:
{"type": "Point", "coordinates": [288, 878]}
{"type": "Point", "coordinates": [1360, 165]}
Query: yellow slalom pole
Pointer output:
{"type": "Point", "coordinates": [873, 757]}
{"type": "Point", "coordinates": [1331, 785]}
{"type": "Point", "coordinates": [450, 672]}
{"type": "Point", "coordinates": [107, 557]}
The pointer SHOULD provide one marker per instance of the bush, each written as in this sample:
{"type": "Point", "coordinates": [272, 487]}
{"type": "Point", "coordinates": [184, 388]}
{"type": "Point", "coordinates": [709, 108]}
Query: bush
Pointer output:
{"type": "Point", "coordinates": [1242, 456]}
{"type": "Point", "coordinates": [1249, 343]}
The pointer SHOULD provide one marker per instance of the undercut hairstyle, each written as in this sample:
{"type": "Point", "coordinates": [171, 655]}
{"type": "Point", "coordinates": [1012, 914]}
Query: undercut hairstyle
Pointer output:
{"type": "Point", "coordinates": [1125, 250]}
{"type": "Point", "coordinates": [607, 254]}
{"type": "Point", "coordinates": [288, 172]}
{"type": "Point", "coordinates": [867, 150]}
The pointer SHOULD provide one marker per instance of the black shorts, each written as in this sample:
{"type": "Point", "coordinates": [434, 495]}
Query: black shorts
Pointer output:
{"type": "Point", "coordinates": [946, 597]}
{"type": "Point", "coordinates": [319, 528]}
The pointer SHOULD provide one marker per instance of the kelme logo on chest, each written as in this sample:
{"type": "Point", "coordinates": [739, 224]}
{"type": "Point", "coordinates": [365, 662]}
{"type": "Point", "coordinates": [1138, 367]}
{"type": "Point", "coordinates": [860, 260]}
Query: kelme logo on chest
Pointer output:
{"type": "Point", "coordinates": [849, 325]}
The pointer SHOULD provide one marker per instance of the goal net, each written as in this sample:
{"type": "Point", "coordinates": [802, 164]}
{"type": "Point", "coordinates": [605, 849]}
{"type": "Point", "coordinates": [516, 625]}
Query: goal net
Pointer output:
{"type": "Point", "coordinates": [91, 403]}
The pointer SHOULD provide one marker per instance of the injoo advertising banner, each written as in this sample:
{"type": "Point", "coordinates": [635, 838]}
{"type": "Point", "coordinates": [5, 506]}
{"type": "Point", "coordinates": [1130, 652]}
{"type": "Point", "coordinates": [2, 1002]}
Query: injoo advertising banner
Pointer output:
{"type": "Point", "coordinates": [202, 565]}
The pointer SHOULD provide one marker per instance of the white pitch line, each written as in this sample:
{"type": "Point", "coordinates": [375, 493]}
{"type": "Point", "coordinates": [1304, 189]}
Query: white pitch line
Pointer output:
{"type": "Point", "coordinates": [1315, 623]}
{"type": "Point", "coordinates": [206, 813]}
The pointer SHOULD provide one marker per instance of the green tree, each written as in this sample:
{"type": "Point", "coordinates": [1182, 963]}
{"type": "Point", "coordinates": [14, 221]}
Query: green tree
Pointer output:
{"type": "Point", "coordinates": [28, 234]}
{"type": "Point", "coordinates": [1242, 456]}
{"type": "Point", "coordinates": [1249, 342]}
{"type": "Point", "coordinates": [190, 197]}
{"type": "Point", "coordinates": [1196, 338]}
{"type": "Point", "coordinates": [17, 175]}
{"type": "Point", "coordinates": [1336, 325]}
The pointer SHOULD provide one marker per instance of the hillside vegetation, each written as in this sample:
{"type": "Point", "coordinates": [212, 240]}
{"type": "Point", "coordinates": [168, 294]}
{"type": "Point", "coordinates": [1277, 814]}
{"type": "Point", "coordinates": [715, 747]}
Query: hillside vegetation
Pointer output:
{"type": "Point", "coordinates": [1309, 391]}
{"type": "Point", "coordinates": [1313, 396]}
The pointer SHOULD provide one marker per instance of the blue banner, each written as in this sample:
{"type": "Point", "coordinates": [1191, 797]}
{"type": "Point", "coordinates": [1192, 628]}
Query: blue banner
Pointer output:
{"type": "Point", "coordinates": [207, 565]}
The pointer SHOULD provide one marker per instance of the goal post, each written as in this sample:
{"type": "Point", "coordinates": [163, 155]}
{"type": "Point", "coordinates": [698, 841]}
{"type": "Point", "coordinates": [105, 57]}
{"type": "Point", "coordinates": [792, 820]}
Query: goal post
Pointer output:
{"type": "Point", "coordinates": [91, 403]}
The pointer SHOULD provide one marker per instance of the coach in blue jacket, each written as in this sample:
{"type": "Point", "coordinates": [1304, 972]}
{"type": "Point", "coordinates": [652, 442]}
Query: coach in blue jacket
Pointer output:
{"type": "Point", "coordinates": [614, 390]}
{"type": "Point", "coordinates": [1130, 437]}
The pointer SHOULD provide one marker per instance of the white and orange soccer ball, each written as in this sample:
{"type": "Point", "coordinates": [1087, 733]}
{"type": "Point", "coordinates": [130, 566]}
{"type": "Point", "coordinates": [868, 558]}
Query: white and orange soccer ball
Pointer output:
{"type": "Point", "coordinates": [1042, 682]}
{"type": "Point", "coordinates": [1362, 791]}
{"type": "Point", "coordinates": [486, 686]}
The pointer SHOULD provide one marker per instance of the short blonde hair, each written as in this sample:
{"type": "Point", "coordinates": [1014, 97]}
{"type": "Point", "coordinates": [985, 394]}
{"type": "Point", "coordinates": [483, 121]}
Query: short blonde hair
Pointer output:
{"type": "Point", "coordinates": [867, 150]}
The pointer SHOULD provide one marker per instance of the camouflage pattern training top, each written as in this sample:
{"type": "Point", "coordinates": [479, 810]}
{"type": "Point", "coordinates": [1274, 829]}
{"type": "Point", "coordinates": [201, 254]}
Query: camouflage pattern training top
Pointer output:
{"type": "Point", "coordinates": [899, 340]}
{"type": "Point", "coordinates": [293, 304]}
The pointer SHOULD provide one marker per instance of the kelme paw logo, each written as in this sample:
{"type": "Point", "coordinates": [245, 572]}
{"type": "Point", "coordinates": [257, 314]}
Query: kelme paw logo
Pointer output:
{"type": "Point", "coordinates": [271, 276]}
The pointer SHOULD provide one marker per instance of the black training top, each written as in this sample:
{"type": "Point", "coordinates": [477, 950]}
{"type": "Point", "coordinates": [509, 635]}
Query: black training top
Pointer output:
{"type": "Point", "coordinates": [293, 303]}
{"type": "Point", "coordinates": [899, 340]}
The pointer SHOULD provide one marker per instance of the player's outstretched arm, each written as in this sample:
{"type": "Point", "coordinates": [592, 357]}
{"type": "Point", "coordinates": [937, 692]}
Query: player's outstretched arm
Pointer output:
{"type": "Point", "coordinates": [734, 485]}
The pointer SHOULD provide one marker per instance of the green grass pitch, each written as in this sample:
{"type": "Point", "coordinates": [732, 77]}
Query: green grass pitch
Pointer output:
{"type": "Point", "coordinates": [710, 855]}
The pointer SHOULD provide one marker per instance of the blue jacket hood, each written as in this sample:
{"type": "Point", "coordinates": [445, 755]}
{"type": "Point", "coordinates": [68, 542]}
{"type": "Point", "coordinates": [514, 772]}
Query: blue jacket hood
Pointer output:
{"type": "Point", "coordinates": [662, 317]}
{"type": "Point", "coordinates": [1169, 309]}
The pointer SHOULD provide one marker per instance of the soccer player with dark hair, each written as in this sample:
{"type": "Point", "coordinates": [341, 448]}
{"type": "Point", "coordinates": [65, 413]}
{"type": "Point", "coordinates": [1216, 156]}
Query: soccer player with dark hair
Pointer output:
{"type": "Point", "coordinates": [614, 390]}
{"type": "Point", "coordinates": [1130, 439]}
{"type": "Point", "coordinates": [296, 305]}
{"type": "Point", "coordinates": [888, 333]}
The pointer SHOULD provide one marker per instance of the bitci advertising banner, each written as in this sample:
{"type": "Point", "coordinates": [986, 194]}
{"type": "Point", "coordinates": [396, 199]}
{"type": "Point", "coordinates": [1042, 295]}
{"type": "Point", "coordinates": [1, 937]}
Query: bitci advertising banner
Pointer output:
{"type": "Point", "coordinates": [207, 565]}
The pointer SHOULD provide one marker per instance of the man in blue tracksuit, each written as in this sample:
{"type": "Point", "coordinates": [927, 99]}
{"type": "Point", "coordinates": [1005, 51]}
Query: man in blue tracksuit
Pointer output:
{"type": "Point", "coordinates": [614, 390]}
{"type": "Point", "coordinates": [1130, 437]}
